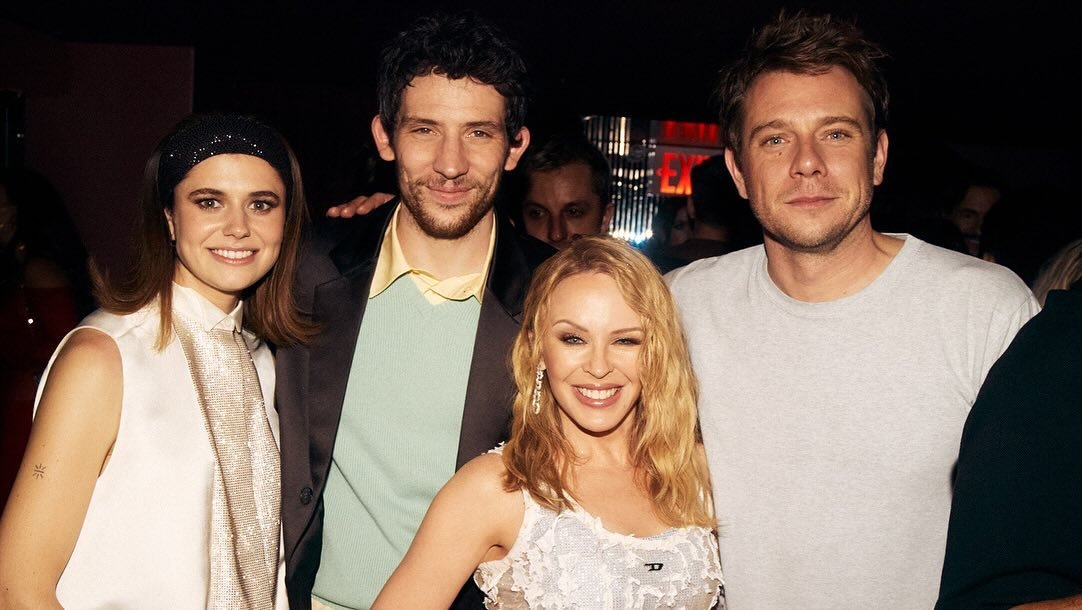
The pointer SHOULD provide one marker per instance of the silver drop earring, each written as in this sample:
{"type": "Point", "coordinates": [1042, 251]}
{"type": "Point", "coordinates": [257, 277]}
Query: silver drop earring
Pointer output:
{"type": "Point", "coordinates": [536, 401]}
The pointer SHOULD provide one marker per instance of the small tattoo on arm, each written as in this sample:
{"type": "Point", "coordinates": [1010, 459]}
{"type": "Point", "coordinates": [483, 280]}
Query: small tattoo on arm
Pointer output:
{"type": "Point", "coordinates": [39, 471]}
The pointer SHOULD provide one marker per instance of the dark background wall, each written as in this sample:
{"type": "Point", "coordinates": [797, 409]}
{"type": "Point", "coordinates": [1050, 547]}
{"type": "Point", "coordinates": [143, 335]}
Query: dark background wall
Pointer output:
{"type": "Point", "coordinates": [971, 81]}
{"type": "Point", "coordinates": [91, 114]}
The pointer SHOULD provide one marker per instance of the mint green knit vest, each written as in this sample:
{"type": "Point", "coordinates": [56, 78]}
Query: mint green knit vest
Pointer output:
{"type": "Point", "coordinates": [398, 437]}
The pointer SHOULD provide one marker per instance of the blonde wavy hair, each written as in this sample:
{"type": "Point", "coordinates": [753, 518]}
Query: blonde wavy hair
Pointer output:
{"type": "Point", "coordinates": [665, 428]}
{"type": "Point", "coordinates": [1059, 272]}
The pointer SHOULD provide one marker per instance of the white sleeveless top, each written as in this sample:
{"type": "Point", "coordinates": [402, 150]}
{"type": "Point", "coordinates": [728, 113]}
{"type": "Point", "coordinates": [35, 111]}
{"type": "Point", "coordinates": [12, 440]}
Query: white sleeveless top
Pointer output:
{"type": "Point", "coordinates": [145, 542]}
{"type": "Point", "coordinates": [569, 560]}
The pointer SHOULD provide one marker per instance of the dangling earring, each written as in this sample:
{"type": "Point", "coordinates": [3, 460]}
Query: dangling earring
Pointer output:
{"type": "Point", "coordinates": [537, 390]}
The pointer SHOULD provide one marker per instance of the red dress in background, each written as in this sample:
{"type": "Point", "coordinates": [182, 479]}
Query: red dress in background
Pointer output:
{"type": "Point", "coordinates": [32, 323]}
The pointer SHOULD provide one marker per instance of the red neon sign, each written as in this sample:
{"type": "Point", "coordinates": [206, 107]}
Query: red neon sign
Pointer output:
{"type": "Point", "coordinates": [688, 134]}
{"type": "Point", "coordinates": [676, 165]}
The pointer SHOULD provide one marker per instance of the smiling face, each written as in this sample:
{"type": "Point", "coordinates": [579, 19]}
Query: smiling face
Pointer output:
{"type": "Point", "coordinates": [451, 148]}
{"type": "Point", "coordinates": [591, 342]}
{"type": "Point", "coordinates": [561, 204]}
{"type": "Point", "coordinates": [810, 158]}
{"type": "Point", "coordinates": [228, 218]}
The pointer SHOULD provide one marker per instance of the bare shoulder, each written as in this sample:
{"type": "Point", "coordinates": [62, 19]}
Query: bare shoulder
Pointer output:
{"type": "Point", "coordinates": [90, 357]}
{"type": "Point", "coordinates": [480, 483]}
{"type": "Point", "coordinates": [91, 343]}
{"type": "Point", "coordinates": [75, 426]}
{"type": "Point", "coordinates": [490, 464]}
{"type": "Point", "coordinates": [85, 379]}
{"type": "Point", "coordinates": [484, 475]}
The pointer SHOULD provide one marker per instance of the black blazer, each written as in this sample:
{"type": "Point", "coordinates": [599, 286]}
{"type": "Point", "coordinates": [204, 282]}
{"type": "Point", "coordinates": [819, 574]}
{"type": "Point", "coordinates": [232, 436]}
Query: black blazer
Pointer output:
{"type": "Point", "coordinates": [333, 280]}
{"type": "Point", "coordinates": [1015, 532]}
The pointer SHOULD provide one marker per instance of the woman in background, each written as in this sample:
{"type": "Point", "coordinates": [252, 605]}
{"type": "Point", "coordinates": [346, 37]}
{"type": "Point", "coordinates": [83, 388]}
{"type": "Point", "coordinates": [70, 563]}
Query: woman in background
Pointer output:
{"type": "Point", "coordinates": [42, 297]}
{"type": "Point", "coordinates": [1059, 272]}
{"type": "Point", "coordinates": [151, 476]}
{"type": "Point", "coordinates": [600, 499]}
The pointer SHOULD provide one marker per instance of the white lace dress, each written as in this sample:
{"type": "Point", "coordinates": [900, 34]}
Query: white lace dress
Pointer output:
{"type": "Point", "coordinates": [569, 560]}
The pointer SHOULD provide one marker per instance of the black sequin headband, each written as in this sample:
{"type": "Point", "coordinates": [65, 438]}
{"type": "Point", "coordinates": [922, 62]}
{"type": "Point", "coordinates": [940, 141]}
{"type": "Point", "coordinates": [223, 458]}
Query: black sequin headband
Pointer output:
{"type": "Point", "coordinates": [224, 134]}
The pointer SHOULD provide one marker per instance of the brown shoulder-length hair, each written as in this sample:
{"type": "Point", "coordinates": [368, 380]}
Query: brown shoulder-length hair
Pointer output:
{"type": "Point", "coordinates": [665, 428]}
{"type": "Point", "coordinates": [269, 308]}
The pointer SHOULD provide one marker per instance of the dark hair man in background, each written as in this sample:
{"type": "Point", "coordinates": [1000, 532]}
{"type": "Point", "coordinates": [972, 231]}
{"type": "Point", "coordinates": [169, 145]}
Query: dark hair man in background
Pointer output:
{"type": "Point", "coordinates": [568, 189]}
{"type": "Point", "coordinates": [720, 218]}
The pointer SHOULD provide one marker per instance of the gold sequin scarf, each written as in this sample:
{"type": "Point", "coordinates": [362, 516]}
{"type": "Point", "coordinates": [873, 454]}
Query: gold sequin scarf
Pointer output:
{"type": "Point", "coordinates": [245, 521]}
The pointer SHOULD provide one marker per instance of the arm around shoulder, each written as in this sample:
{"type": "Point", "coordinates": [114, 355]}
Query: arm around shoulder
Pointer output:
{"type": "Point", "coordinates": [74, 429]}
{"type": "Point", "coordinates": [472, 519]}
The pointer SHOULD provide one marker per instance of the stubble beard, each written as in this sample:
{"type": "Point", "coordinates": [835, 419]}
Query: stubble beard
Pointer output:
{"type": "Point", "coordinates": [467, 217]}
{"type": "Point", "coordinates": [794, 236]}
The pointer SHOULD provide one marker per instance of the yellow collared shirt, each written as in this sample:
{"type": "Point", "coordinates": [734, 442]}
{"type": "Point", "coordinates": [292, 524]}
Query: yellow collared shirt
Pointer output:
{"type": "Point", "coordinates": [392, 264]}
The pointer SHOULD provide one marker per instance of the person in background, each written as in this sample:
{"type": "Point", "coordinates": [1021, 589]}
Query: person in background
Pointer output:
{"type": "Point", "coordinates": [40, 262]}
{"type": "Point", "coordinates": [155, 434]}
{"type": "Point", "coordinates": [981, 191]}
{"type": "Point", "coordinates": [681, 229]}
{"type": "Point", "coordinates": [720, 219]}
{"type": "Point", "coordinates": [418, 303]}
{"type": "Point", "coordinates": [568, 189]}
{"type": "Point", "coordinates": [836, 363]}
{"type": "Point", "coordinates": [564, 192]}
{"type": "Point", "coordinates": [670, 226]}
{"type": "Point", "coordinates": [1060, 271]}
{"type": "Point", "coordinates": [600, 499]}
{"type": "Point", "coordinates": [1015, 532]}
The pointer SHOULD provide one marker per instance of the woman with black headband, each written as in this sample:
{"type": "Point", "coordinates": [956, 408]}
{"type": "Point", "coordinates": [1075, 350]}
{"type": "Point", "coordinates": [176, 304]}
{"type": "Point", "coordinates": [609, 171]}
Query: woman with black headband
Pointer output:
{"type": "Point", "coordinates": [152, 477]}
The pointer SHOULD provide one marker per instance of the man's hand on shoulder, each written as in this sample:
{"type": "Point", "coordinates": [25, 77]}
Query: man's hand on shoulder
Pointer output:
{"type": "Point", "coordinates": [359, 206]}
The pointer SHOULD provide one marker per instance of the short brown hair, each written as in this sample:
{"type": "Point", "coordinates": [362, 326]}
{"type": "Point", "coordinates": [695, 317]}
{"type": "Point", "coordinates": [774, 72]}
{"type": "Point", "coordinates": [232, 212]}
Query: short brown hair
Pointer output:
{"type": "Point", "coordinates": [803, 44]}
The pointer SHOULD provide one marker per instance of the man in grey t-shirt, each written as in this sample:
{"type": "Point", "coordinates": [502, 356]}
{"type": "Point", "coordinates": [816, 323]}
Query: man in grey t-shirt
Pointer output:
{"type": "Point", "coordinates": [837, 364]}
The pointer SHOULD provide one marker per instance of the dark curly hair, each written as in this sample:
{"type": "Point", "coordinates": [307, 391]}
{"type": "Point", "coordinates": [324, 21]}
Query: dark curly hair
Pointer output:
{"type": "Point", "coordinates": [457, 46]}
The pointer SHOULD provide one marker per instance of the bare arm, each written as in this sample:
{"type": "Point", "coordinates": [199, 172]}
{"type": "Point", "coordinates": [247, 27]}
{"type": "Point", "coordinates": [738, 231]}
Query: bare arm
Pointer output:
{"type": "Point", "coordinates": [360, 205]}
{"type": "Point", "coordinates": [74, 430]}
{"type": "Point", "coordinates": [471, 520]}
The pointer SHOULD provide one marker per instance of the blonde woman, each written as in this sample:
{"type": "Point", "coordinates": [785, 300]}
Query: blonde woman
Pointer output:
{"type": "Point", "coordinates": [600, 499]}
{"type": "Point", "coordinates": [1060, 271]}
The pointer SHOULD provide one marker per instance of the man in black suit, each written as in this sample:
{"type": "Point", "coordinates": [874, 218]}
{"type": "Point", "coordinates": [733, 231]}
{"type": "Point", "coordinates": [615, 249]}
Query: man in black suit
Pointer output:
{"type": "Point", "coordinates": [417, 306]}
